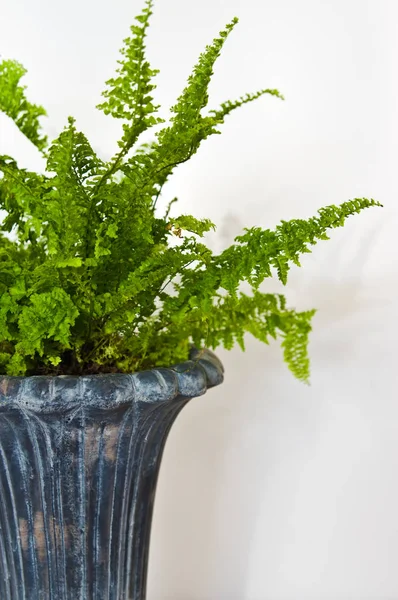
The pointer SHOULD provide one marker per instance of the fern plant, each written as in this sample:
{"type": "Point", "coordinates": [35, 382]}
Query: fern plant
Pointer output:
{"type": "Point", "coordinates": [90, 281]}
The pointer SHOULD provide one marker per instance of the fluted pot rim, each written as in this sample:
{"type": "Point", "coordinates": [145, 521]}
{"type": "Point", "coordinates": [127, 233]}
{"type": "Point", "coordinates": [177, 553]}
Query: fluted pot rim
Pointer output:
{"type": "Point", "coordinates": [106, 391]}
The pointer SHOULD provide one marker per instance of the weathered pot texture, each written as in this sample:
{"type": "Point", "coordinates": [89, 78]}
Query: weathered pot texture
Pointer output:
{"type": "Point", "coordinates": [79, 462]}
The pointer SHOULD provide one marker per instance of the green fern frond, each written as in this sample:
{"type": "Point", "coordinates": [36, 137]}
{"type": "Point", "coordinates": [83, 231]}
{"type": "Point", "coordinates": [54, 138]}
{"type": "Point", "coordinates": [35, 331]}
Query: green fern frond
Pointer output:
{"type": "Point", "coordinates": [195, 96]}
{"type": "Point", "coordinates": [128, 95]}
{"type": "Point", "coordinates": [72, 158]}
{"type": "Point", "coordinates": [20, 195]}
{"type": "Point", "coordinates": [230, 105]}
{"type": "Point", "coordinates": [48, 316]}
{"type": "Point", "coordinates": [260, 250]}
{"type": "Point", "coordinates": [75, 170]}
{"type": "Point", "coordinates": [14, 104]}
{"type": "Point", "coordinates": [296, 329]}
{"type": "Point", "coordinates": [179, 141]}
{"type": "Point", "coordinates": [188, 223]}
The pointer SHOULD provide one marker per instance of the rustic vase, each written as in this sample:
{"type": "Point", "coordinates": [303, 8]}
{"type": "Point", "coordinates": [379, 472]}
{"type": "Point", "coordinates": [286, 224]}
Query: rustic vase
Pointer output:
{"type": "Point", "coordinates": [79, 462]}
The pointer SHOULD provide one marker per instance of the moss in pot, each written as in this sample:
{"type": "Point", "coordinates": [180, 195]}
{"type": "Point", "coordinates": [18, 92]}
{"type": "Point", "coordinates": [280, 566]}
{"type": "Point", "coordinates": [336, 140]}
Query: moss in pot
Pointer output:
{"type": "Point", "coordinates": [110, 306]}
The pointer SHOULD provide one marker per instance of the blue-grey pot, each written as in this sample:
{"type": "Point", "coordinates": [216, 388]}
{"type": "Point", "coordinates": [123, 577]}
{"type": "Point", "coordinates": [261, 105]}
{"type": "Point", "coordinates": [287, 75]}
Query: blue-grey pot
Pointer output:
{"type": "Point", "coordinates": [79, 462]}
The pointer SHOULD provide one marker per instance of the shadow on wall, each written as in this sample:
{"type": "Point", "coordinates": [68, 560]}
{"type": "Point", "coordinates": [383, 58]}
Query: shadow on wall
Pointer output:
{"type": "Point", "coordinates": [228, 447]}
{"type": "Point", "coordinates": [205, 512]}
{"type": "Point", "coordinates": [229, 456]}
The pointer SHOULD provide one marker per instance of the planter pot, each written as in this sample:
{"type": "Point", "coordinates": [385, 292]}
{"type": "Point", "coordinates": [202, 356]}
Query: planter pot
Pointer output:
{"type": "Point", "coordinates": [79, 461]}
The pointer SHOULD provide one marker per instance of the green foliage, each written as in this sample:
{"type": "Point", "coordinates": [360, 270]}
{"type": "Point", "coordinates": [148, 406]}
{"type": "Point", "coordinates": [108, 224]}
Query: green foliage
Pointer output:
{"type": "Point", "coordinates": [94, 278]}
{"type": "Point", "coordinates": [13, 103]}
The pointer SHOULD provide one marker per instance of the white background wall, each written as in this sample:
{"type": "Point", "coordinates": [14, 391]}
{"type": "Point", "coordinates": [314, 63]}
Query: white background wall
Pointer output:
{"type": "Point", "coordinates": [269, 490]}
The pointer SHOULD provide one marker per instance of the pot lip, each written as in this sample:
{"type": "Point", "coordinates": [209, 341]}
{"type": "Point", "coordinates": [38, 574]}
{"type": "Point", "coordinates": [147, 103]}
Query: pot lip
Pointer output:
{"type": "Point", "coordinates": [105, 391]}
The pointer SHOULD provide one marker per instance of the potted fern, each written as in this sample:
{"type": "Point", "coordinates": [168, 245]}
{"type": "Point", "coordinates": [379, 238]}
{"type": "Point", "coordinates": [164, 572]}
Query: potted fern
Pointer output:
{"type": "Point", "coordinates": [109, 307]}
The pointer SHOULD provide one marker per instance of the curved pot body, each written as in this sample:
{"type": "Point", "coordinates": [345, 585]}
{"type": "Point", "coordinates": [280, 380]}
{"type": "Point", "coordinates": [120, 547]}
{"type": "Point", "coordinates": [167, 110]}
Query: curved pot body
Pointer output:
{"type": "Point", "coordinates": [79, 461]}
